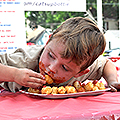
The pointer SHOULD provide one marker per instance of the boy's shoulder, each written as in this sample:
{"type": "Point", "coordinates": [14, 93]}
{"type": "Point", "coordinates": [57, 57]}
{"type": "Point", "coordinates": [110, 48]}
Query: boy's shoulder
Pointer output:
{"type": "Point", "coordinates": [29, 49]}
{"type": "Point", "coordinates": [98, 63]}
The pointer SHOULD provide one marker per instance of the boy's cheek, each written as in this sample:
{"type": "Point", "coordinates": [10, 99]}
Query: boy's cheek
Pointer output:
{"type": "Point", "coordinates": [82, 73]}
{"type": "Point", "coordinates": [41, 67]}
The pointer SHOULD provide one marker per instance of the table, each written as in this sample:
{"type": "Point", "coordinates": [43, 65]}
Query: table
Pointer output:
{"type": "Point", "coordinates": [18, 106]}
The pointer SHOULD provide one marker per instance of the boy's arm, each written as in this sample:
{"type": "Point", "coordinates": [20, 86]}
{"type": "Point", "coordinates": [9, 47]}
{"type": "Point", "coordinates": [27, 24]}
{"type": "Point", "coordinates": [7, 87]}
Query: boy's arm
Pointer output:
{"type": "Point", "coordinates": [110, 75]}
{"type": "Point", "coordinates": [24, 77]}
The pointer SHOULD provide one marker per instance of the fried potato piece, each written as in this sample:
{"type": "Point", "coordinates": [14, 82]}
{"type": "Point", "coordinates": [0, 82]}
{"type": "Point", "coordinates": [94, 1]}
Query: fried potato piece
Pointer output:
{"type": "Point", "coordinates": [81, 89]}
{"type": "Point", "coordinates": [97, 84]}
{"type": "Point", "coordinates": [101, 86]}
{"type": "Point", "coordinates": [89, 86]}
{"type": "Point", "coordinates": [54, 90]}
{"type": "Point", "coordinates": [46, 90]}
{"type": "Point", "coordinates": [77, 84]}
{"type": "Point", "coordinates": [32, 90]}
{"type": "Point", "coordinates": [95, 88]}
{"type": "Point", "coordinates": [61, 90]}
{"type": "Point", "coordinates": [70, 89]}
{"type": "Point", "coordinates": [48, 79]}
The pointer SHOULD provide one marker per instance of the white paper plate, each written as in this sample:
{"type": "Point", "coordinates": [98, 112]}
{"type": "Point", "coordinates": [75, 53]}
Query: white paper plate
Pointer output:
{"type": "Point", "coordinates": [56, 96]}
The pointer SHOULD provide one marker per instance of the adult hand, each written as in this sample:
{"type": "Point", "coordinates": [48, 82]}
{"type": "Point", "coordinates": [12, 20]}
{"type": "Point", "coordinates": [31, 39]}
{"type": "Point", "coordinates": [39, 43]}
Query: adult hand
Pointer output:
{"type": "Point", "coordinates": [29, 78]}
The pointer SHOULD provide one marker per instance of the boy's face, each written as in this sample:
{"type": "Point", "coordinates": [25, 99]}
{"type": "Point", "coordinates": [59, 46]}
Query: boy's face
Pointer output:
{"type": "Point", "coordinates": [58, 68]}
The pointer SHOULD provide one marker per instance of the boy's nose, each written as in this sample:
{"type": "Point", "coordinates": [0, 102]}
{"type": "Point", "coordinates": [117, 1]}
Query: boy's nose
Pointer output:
{"type": "Point", "coordinates": [52, 68]}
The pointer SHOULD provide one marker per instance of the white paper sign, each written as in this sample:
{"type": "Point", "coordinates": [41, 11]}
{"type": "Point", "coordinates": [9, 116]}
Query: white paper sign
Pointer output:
{"type": "Point", "coordinates": [12, 25]}
{"type": "Point", "coordinates": [12, 19]}
{"type": "Point", "coordinates": [55, 5]}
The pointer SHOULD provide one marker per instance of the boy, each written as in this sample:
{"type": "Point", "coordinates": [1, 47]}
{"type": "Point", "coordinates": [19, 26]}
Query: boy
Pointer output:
{"type": "Point", "coordinates": [69, 54]}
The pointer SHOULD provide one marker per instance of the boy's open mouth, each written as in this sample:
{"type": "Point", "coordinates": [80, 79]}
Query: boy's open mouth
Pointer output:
{"type": "Point", "coordinates": [56, 81]}
{"type": "Point", "coordinates": [45, 73]}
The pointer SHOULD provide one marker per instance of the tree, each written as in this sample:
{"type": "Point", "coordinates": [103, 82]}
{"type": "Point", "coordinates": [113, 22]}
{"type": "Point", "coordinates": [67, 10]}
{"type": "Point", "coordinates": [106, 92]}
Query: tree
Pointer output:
{"type": "Point", "coordinates": [49, 19]}
{"type": "Point", "coordinates": [110, 9]}
{"type": "Point", "coordinates": [52, 19]}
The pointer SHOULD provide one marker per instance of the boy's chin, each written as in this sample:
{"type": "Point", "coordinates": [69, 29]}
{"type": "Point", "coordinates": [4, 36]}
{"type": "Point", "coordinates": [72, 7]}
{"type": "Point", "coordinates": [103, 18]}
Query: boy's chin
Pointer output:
{"type": "Point", "coordinates": [56, 82]}
{"type": "Point", "coordinates": [59, 81]}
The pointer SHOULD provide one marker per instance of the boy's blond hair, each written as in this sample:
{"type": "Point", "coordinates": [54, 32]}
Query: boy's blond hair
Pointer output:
{"type": "Point", "coordinates": [83, 40]}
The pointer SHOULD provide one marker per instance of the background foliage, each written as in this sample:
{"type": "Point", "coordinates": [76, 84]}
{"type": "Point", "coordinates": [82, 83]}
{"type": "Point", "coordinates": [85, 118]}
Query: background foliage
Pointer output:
{"type": "Point", "coordinates": [52, 19]}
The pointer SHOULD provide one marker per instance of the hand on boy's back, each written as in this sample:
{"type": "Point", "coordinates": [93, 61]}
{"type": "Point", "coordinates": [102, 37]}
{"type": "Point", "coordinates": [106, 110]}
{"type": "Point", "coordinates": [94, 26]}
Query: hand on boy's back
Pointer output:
{"type": "Point", "coordinates": [29, 78]}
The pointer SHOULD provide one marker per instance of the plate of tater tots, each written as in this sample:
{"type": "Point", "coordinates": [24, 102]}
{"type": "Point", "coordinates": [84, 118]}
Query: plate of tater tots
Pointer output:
{"type": "Point", "coordinates": [76, 90]}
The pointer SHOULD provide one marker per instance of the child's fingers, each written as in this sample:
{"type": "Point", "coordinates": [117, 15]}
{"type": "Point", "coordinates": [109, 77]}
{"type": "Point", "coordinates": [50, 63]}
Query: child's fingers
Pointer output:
{"type": "Point", "coordinates": [117, 85]}
{"type": "Point", "coordinates": [36, 80]}
{"type": "Point", "coordinates": [36, 75]}
{"type": "Point", "coordinates": [33, 85]}
{"type": "Point", "coordinates": [113, 89]}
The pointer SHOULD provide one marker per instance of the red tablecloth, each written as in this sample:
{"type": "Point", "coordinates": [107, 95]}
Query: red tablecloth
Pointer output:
{"type": "Point", "coordinates": [19, 106]}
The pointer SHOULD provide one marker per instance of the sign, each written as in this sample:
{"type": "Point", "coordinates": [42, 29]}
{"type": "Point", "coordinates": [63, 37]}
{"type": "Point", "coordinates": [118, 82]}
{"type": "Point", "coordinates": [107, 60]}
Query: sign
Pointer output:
{"type": "Point", "coordinates": [12, 25]}
{"type": "Point", "coordinates": [55, 5]}
{"type": "Point", "coordinates": [12, 20]}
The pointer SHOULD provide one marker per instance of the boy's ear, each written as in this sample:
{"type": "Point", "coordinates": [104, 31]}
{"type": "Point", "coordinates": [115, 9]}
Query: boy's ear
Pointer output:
{"type": "Point", "coordinates": [82, 73]}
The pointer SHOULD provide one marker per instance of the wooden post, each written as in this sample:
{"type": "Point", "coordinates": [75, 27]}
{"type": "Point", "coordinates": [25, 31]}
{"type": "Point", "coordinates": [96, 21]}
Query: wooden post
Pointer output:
{"type": "Point", "coordinates": [99, 15]}
{"type": "Point", "coordinates": [119, 19]}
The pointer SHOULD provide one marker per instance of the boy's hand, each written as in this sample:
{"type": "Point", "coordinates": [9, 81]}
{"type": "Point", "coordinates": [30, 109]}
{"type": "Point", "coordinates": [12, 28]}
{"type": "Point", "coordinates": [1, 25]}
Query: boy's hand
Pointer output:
{"type": "Point", "coordinates": [29, 78]}
{"type": "Point", "coordinates": [115, 86]}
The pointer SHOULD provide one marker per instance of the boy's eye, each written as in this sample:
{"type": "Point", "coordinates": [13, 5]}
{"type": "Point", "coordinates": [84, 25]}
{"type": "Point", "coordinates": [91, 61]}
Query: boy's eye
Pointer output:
{"type": "Point", "coordinates": [64, 68]}
{"type": "Point", "coordinates": [50, 54]}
